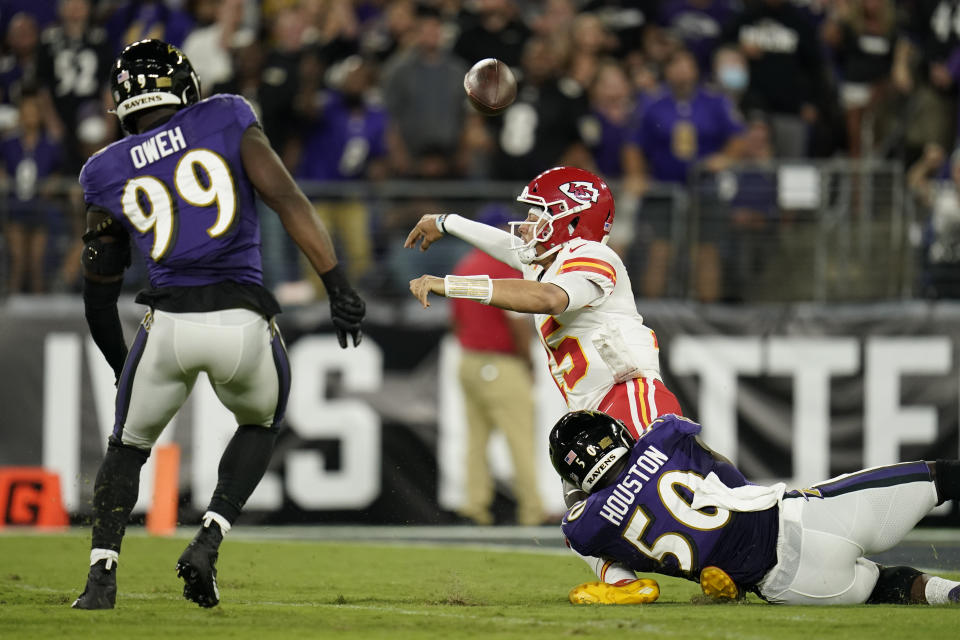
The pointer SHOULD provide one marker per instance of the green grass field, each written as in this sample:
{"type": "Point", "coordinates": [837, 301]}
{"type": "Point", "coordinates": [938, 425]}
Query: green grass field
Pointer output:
{"type": "Point", "coordinates": [286, 589]}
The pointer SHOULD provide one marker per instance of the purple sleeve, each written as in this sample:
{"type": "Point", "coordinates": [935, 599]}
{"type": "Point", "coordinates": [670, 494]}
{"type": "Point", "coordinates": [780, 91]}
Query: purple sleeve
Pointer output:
{"type": "Point", "coordinates": [87, 181]}
{"type": "Point", "coordinates": [242, 110]}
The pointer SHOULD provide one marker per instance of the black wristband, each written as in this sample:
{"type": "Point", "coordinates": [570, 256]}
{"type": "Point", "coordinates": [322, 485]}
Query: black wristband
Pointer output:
{"type": "Point", "coordinates": [335, 280]}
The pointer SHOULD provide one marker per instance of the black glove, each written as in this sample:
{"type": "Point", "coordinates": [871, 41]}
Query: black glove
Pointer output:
{"type": "Point", "coordinates": [346, 306]}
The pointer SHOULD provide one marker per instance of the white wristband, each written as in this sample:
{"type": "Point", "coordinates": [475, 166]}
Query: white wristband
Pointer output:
{"type": "Point", "coordinates": [439, 220]}
{"type": "Point", "coordinates": [478, 288]}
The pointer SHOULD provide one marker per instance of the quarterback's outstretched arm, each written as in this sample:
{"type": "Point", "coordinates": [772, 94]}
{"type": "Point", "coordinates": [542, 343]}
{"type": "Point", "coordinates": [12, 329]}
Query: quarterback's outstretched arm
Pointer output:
{"type": "Point", "coordinates": [492, 241]}
{"type": "Point", "coordinates": [524, 296]}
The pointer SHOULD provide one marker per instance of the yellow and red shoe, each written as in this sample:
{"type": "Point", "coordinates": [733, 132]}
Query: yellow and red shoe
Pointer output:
{"type": "Point", "coordinates": [640, 591]}
{"type": "Point", "coordinates": [715, 583]}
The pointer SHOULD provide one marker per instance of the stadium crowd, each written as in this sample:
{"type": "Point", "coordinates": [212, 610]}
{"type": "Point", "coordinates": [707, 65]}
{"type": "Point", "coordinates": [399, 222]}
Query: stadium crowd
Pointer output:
{"type": "Point", "coordinates": [650, 94]}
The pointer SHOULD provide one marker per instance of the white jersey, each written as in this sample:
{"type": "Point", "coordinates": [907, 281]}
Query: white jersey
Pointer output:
{"type": "Point", "coordinates": [593, 347]}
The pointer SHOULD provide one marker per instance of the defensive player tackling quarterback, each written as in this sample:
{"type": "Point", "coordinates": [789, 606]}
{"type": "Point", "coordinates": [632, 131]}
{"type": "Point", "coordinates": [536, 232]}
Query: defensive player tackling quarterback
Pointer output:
{"type": "Point", "coordinates": [667, 503]}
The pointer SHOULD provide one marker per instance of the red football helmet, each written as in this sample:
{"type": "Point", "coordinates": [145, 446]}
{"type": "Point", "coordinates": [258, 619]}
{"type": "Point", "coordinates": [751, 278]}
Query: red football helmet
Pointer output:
{"type": "Point", "coordinates": [568, 203]}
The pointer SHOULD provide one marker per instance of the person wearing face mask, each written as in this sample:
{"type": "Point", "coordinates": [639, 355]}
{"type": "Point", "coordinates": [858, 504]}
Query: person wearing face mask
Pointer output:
{"type": "Point", "coordinates": [345, 140]}
{"type": "Point", "coordinates": [731, 72]}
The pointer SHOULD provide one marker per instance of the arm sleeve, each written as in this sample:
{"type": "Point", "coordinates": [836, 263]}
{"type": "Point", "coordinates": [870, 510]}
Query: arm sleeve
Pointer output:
{"type": "Point", "coordinates": [490, 240]}
{"type": "Point", "coordinates": [100, 310]}
{"type": "Point", "coordinates": [581, 291]}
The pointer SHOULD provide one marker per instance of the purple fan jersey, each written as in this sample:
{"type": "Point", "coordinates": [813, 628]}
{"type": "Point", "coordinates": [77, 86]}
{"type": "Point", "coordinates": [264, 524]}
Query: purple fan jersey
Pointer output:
{"type": "Point", "coordinates": [342, 144]}
{"type": "Point", "coordinates": [673, 135]}
{"type": "Point", "coordinates": [180, 191]}
{"type": "Point", "coordinates": [645, 518]}
{"type": "Point", "coordinates": [699, 25]}
{"type": "Point", "coordinates": [27, 168]}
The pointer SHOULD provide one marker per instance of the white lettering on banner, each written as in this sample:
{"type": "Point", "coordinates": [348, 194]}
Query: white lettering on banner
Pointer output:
{"type": "Point", "coordinates": [812, 362]}
{"type": "Point", "coordinates": [313, 416]}
{"type": "Point", "coordinates": [718, 361]}
{"type": "Point", "coordinates": [887, 424]}
{"type": "Point", "coordinates": [61, 412]}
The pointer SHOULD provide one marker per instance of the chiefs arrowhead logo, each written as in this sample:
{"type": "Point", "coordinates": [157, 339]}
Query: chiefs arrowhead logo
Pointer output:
{"type": "Point", "coordinates": [580, 191]}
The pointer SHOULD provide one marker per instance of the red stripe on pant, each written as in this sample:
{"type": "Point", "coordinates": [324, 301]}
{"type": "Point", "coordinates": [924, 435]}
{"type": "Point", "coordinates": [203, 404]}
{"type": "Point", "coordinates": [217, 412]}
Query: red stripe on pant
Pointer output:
{"type": "Point", "coordinates": [630, 403]}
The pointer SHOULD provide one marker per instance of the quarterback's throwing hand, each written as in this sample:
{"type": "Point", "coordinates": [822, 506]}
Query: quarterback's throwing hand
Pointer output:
{"type": "Point", "coordinates": [427, 230]}
{"type": "Point", "coordinates": [424, 286]}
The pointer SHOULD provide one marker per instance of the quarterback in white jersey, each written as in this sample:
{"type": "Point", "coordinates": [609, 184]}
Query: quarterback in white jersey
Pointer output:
{"type": "Point", "coordinates": [601, 355]}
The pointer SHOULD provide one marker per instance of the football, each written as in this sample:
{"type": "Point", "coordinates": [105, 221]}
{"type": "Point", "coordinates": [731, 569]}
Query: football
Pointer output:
{"type": "Point", "coordinates": [490, 86]}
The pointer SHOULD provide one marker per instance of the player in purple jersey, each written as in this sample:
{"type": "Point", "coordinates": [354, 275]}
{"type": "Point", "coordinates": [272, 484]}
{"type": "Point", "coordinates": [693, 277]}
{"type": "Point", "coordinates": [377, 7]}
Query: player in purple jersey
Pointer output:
{"type": "Point", "coordinates": [181, 186]}
{"type": "Point", "coordinates": [667, 503]}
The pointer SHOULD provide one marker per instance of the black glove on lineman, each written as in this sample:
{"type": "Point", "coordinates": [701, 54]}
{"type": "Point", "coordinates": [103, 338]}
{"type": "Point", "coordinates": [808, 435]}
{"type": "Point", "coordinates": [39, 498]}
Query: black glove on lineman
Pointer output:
{"type": "Point", "coordinates": [346, 306]}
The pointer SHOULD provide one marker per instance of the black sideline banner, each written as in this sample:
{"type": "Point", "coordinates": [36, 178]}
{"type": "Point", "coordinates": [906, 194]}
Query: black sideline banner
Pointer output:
{"type": "Point", "coordinates": [375, 435]}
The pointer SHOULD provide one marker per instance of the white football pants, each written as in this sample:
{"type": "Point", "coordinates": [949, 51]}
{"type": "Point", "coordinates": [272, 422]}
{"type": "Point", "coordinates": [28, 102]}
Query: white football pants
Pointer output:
{"type": "Point", "coordinates": [241, 352]}
{"type": "Point", "coordinates": [826, 530]}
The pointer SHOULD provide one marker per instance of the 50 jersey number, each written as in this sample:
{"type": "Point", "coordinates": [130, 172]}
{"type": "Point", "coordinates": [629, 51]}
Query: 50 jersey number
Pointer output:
{"type": "Point", "coordinates": [671, 542]}
{"type": "Point", "coordinates": [149, 206]}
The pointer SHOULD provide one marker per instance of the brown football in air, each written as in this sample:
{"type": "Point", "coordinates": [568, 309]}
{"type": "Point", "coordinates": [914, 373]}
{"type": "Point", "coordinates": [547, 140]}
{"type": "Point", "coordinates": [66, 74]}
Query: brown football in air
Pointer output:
{"type": "Point", "coordinates": [490, 85]}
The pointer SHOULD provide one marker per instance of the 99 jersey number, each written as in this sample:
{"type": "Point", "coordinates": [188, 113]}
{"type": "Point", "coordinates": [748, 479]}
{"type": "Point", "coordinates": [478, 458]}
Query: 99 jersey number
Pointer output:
{"type": "Point", "coordinates": [201, 179]}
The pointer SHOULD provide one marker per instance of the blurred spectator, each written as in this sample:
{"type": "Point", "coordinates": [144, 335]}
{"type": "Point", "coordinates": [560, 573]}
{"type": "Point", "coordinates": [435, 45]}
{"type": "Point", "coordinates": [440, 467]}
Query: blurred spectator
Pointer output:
{"type": "Point", "coordinates": [495, 375]}
{"type": "Point", "coordinates": [750, 191]}
{"type": "Point", "coordinates": [246, 76]}
{"type": "Point", "coordinates": [334, 28]}
{"type": "Point", "coordinates": [43, 13]}
{"type": "Point", "coordinates": [862, 36]}
{"type": "Point", "coordinates": [589, 35]}
{"type": "Point", "coordinates": [72, 68]}
{"type": "Point", "coordinates": [493, 30]}
{"type": "Point", "coordinates": [921, 70]}
{"type": "Point", "coordinates": [18, 66]}
{"type": "Point", "coordinates": [209, 47]}
{"type": "Point", "coordinates": [346, 141]}
{"type": "Point", "coordinates": [393, 30]}
{"type": "Point", "coordinates": [786, 70]}
{"type": "Point", "coordinates": [423, 90]}
{"type": "Point", "coordinates": [280, 79]}
{"type": "Point", "coordinates": [940, 199]}
{"type": "Point", "coordinates": [554, 19]}
{"type": "Point", "coordinates": [627, 20]}
{"type": "Point", "coordinates": [611, 112]}
{"type": "Point", "coordinates": [731, 76]}
{"type": "Point", "coordinates": [31, 165]}
{"type": "Point", "coordinates": [699, 24]}
{"type": "Point", "coordinates": [645, 79]}
{"type": "Point", "coordinates": [688, 124]}
{"type": "Point", "coordinates": [542, 128]}
{"type": "Point", "coordinates": [136, 20]}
